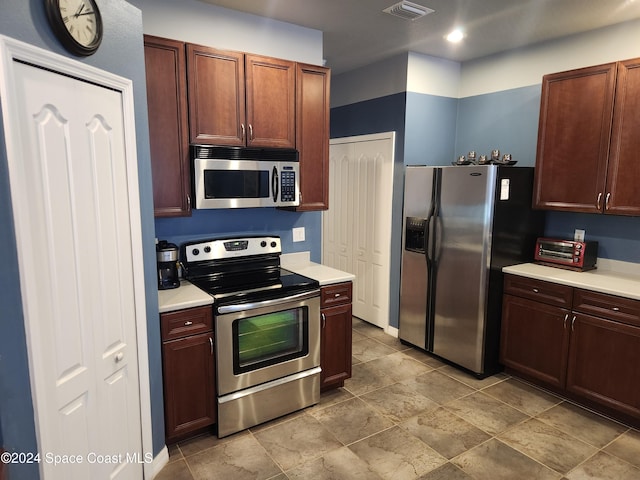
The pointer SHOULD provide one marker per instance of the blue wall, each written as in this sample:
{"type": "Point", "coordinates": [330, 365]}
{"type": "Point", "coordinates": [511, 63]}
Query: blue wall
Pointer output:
{"type": "Point", "coordinates": [506, 120]}
{"type": "Point", "coordinates": [121, 53]}
{"type": "Point", "coordinates": [218, 223]}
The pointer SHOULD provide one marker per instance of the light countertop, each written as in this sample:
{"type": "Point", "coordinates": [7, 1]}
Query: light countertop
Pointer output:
{"type": "Point", "coordinates": [620, 283]}
{"type": "Point", "coordinates": [186, 295]}
{"type": "Point", "coordinates": [300, 263]}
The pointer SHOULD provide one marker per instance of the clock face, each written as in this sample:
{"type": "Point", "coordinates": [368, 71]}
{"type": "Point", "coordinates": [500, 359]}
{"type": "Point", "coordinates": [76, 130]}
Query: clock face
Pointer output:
{"type": "Point", "coordinates": [77, 23]}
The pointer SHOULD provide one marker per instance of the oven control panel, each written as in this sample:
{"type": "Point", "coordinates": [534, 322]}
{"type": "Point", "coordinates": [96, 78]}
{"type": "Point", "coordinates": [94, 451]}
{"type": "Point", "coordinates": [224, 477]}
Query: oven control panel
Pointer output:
{"type": "Point", "coordinates": [217, 249]}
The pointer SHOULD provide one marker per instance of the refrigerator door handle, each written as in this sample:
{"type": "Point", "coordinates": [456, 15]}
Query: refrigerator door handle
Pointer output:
{"type": "Point", "coordinates": [437, 238]}
{"type": "Point", "coordinates": [428, 238]}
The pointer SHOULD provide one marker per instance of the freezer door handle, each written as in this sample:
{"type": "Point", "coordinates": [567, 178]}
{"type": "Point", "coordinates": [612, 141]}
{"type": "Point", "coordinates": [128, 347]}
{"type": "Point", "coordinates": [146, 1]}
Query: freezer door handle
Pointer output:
{"type": "Point", "coordinates": [428, 237]}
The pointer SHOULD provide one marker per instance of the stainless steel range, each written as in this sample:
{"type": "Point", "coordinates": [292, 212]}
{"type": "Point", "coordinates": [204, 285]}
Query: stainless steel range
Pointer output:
{"type": "Point", "coordinates": [266, 327]}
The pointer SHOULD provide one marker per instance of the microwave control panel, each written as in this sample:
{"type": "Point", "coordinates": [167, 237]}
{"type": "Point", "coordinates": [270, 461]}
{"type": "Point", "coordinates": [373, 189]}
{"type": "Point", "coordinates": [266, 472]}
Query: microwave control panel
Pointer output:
{"type": "Point", "coordinates": [288, 179]}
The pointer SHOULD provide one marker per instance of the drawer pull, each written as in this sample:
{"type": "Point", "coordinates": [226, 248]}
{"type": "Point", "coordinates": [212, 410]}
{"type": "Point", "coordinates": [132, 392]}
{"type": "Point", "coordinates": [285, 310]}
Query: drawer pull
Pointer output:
{"type": "Point", "coordinates": [187, 323]}
{"type": "Point", "coordinates": [535, 290]}
{"type": "Point", "coordinates": [615, 309]}
{"type": "Point", "coordinates": [336, 295]}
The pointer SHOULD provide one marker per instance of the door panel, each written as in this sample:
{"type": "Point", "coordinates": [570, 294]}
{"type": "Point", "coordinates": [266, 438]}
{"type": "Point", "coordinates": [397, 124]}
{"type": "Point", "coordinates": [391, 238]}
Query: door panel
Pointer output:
{"type": "Point", "coordinates": [76, 268]}
{"type": "Point", "coordinates": [463, 235]}
{"type": "Point", "coordinates": [418, 192]}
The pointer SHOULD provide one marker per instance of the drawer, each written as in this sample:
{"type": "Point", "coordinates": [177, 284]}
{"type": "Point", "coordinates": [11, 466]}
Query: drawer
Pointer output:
{"type": "Point", "coordinates": [539, 290]}
{"type": "Point", "coordinates": [336, 294]}
{"type": "Point", "coordinates": [182, 323]}
{"type": "Point", "coordinates": [622, 309]}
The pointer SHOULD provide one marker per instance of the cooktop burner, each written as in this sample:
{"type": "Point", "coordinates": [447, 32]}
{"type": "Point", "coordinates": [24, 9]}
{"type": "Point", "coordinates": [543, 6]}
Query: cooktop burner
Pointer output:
{"type": "Point", "coordinates": [241, 270]}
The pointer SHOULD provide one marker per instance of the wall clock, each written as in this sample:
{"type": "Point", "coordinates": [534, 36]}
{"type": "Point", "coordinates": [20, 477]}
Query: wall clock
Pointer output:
{"type": "Point", "coordinates": [77, 24]}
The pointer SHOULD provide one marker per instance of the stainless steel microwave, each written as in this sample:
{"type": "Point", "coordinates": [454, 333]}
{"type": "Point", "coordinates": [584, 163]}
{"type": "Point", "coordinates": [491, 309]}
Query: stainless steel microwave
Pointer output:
{"type": "Point", "coordinates": [242, 177]}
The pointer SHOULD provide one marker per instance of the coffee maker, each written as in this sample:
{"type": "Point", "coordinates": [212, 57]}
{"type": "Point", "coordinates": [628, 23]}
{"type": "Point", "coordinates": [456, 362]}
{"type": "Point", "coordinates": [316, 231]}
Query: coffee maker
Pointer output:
{"type": "Point", "coordinates": [167, 258]}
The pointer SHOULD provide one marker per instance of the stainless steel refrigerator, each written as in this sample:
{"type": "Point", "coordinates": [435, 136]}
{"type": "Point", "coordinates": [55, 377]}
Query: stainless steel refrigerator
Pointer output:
{"type": "Point", "coordinates": [461, 225]}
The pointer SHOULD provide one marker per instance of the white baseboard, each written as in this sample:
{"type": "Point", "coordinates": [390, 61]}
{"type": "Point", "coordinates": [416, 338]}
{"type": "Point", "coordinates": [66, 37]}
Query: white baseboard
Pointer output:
{"type": "Point", "coordinates": [159, 462]}
{"type": "Point", "coordinates": [393, 331]}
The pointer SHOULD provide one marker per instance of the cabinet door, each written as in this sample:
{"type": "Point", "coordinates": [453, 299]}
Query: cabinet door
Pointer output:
{"type": "Point", "coordinates": [574, 130]}
{"type": "Point", "coordinates": [623, 194]}
{"type": "Point", "coordinates": [216, 96]}
{"type": "Point", "coordinates": [312, 135]}
{"type": "Point", "coordinates": [335, 346]}
{"type": "Point", "coordinates": [168, 127]}
{"type": "Point", "coordinates": [189, 384]}
{"type": "Point", "coordinates": [270, 84]}
{"type": "Point", "coordinates": [603, 363]}
{"type": "Point", "coordinates": [534, 339]}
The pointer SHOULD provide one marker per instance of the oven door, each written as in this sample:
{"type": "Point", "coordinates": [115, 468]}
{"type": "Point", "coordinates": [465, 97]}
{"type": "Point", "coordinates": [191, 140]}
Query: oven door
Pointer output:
{"type": "Point", "coordinates": [265, 341]}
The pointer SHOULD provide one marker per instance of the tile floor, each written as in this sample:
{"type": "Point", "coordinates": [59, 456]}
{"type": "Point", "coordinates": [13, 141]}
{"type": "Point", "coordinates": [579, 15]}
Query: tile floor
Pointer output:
{"type": "Point", "coordinates": [405, 415]}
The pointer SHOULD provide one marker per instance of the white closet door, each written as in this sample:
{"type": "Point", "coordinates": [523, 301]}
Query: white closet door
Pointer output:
{"type": "Point", "coordinates": [357, 227]}
{"type": "Point", "coordinates": [76, 271]}
{"type": "Point", "coordinates": [372, 231]}
{"type": "Point", "coordinates": [337, 232]}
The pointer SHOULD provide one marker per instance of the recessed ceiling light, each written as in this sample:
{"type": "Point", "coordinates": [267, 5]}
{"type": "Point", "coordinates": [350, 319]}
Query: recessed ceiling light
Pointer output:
{"type": "Point", "coordinates": [455, 36]}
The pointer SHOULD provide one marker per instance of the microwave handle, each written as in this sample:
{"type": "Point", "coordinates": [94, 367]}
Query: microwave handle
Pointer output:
{"type": "Point", "coordinates": [274, 184]}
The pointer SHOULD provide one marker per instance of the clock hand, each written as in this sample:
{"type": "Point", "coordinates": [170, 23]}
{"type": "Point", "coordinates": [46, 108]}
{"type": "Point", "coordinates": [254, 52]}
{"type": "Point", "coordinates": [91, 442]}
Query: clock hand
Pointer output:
{"type": "Point", "coordinates": [79, 11]}
{"type": "Point", "coordinates": [85, 13]}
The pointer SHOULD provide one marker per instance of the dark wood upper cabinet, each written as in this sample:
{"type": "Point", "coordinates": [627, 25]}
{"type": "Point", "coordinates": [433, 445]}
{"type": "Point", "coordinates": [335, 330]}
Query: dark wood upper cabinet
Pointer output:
{"type": "Point", "coordinates": [237, 99]}
{"type": "Point", "coordinates": [586, 142]}
{"type": "Point", "coordinates": [168, 126]}
{"type": "Point", "coordinates": [623, 173]}
{"type": "Point", "coordinates": [270, 94]}
{"type": "Point", "coordinates": [216, 96]}
{"type": "Point", "coordinates": [312, 135]}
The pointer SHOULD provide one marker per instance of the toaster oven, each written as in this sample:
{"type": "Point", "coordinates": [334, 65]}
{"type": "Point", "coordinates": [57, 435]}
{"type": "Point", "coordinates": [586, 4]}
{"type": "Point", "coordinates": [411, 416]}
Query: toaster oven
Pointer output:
{"type": "Point", "coordinates": [569, 254]}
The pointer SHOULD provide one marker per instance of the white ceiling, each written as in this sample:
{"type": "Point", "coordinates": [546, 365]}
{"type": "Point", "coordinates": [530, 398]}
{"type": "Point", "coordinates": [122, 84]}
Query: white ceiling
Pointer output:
{"type": "Point", "coordinates": [357, 32]}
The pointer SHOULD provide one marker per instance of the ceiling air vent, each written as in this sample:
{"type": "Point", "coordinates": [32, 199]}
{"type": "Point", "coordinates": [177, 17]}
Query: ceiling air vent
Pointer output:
{"type": "Point", "coordinates": [408, 10]}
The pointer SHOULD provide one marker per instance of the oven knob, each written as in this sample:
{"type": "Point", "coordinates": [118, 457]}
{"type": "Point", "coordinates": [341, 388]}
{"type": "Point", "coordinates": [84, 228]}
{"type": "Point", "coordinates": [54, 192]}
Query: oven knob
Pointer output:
{"type": "Point", "coordinates": [579, 246]}
{"type": "Point", "coordinates": [263, 244]}
{"type": "Point", "coordinates": [207, 249]}
{"type": "Point", "coordinates": [273, 244]}
{"type": "Point", "coordinates": [195, 251]}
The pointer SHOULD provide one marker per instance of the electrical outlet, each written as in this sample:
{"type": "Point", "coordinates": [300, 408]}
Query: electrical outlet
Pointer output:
{"type": "Point", "coordinates": [578, 235]}
{"type": "Point", "coordinates": [298, 234]}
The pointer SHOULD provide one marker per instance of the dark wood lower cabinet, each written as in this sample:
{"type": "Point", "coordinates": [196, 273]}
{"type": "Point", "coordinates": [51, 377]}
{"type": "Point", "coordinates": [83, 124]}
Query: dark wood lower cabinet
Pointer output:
{"type": "Point", "coordinates": [335, 341]}
{"type": "Point", "coordinates": [604, 357]}
{"type": "Point", "coordinates": [534, 339]}
{"type": "Point", "coordinates": [188, 373]}
{"type": "Point", "coordinates": [592, 359]}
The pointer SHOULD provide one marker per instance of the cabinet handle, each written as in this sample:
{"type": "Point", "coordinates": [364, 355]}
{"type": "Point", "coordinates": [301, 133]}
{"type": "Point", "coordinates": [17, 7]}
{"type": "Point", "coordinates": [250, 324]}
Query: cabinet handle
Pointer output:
{"type": "Point", "coordinates": [243, 131]}
{"type": "Point", "coordinates": [187, 323]}
{"type": "Point", "coordinates": [188, 202]}
{"type": "Point", "coordinates": [564, 323]}
{"type": "Point", "coordinates": [324, 320]}
{"type": "Point", "coordinates": [606, 201]}
{"type": "Point", "coordinates": [573, 320]}
{"type": "Point", "coordinates": [615, 309]}
{"type": "Point", "coordinates": [598, 201]}
{"type": "Point", "coordinates": [250, 132]}
{"type": "Point", "coordinates": [336, 295]}
{"type": "Point", "coordinates": [535, 290]}
{"type": "Point", "coordinates": [211, 344]}
{"type": "Point", "coordinates": [119, 357]}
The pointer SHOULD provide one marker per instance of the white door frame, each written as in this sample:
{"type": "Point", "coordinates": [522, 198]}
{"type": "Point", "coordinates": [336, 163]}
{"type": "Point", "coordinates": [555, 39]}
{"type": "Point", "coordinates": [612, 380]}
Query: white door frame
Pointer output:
{"type": "Point", "coordinates": [10, 51]}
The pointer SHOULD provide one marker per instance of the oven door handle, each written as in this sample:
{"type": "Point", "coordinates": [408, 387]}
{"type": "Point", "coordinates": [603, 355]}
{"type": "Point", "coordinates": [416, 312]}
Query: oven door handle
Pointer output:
{"type": "Point", "coordinates": [241, 307]}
